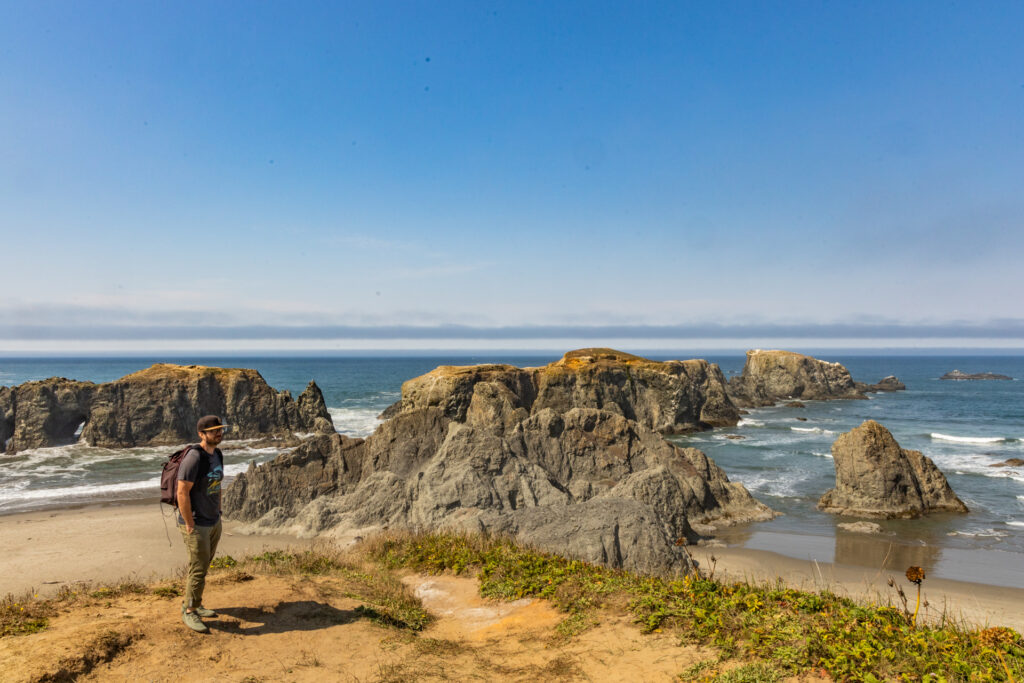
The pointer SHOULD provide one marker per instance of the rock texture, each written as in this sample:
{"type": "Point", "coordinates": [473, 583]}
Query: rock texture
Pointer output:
{"type": "Point", "coordinates": [159, 405]}
{"type": "Point", "coordinates": [772, 376]}
{"type": "Point", "coordinates": [957, 375]}
{"type": "Point", "coordinates": [568, 457]}
{"type": "Point", "coordinates": [44, 413]}
{"type": "Point", "coordinates": [877, 478]}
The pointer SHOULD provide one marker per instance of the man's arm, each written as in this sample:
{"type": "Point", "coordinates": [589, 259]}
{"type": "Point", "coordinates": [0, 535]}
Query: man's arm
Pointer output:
{"type": "Point", "coordinates": [185, 504]}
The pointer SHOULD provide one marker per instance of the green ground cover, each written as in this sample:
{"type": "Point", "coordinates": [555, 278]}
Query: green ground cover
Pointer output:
{"type": "Point", "coordinates": [790, 631]}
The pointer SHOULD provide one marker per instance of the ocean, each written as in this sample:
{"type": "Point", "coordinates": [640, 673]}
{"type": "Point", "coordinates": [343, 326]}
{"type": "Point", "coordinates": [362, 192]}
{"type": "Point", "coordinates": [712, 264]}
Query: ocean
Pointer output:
{"type": "Point", "coordinates": [965, 427]}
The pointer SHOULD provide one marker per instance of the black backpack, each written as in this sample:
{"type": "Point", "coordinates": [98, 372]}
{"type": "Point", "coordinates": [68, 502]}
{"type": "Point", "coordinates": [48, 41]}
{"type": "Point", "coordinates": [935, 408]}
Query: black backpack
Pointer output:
{"type": "Point", "coordinates": [169, 477]}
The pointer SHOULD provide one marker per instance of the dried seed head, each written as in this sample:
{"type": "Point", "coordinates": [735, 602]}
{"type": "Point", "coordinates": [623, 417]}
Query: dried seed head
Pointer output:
{"type": "Point", "coordinates": [915, 575]}
{"type": "Point", "coordinates": [998, 636]}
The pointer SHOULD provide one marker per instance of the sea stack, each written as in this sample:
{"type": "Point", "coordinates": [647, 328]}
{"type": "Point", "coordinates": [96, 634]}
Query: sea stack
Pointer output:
{"type": "Point", "coordinates": [877, 478]}
{"type": "Point", "coordinates": [568, 457]}
{"type": "Point", "coordinates": [155, 406]}
{"type": "Point", "coordinates": [772, 376]}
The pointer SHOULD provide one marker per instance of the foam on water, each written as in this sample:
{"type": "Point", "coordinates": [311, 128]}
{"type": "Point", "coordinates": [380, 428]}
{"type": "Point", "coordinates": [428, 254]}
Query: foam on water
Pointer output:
{"type": "Point", "coordinates": [979, 532]}
{"type": "Point", "coordinates": [94, 491]}
{"type": "Point", "coordinates": [812, 430]}
{"type": "Point", "coordinates": [822, 455]}
{"type": "Point", "coordinates": [749, 422]}
{"type": "Point", "coordinates": [779, 483]}
{"type": "Point", "coordinates": [1015, 523]}
{"type": "Point", "coordinates": [974, 464]}
{"type": "Point", "coordinates": [360, 422]}
{"type": "Point", "coordinates": [44, 477]}
{"type": "Point", "coordinates": [966, 439]}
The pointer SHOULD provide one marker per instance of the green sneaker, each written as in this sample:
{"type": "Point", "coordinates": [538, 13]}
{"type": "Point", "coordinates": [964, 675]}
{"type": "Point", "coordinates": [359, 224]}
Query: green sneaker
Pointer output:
{"type": "Point", "coordinates": [201, 611]}
{"type": "Point", "coordinates": [193, 621]}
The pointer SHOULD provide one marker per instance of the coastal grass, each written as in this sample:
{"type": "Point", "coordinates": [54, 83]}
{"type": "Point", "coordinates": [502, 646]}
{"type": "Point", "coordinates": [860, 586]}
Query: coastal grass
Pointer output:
{"type": "Point", "coordinates": [769, 628]}
{"type": "Point", "coordinates": [25, 615]}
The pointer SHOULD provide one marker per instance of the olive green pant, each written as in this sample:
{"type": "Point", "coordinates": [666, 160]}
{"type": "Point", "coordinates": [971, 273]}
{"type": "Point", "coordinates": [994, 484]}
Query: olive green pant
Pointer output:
{"type": "Point", "coordinates": [201, 545]}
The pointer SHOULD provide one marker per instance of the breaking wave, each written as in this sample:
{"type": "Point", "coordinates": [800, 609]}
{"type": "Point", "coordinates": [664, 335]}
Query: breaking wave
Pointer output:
{"type": "Point", "coordinates": [360, 422]}
{"type": "Point", "coordinates": [966, 439]}
{"type": "Point", "coordinates": [812, 430]}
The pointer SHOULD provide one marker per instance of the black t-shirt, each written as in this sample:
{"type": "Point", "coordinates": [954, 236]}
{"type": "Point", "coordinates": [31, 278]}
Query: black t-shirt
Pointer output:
{"type": "Point", "coordinates": [205, 493]}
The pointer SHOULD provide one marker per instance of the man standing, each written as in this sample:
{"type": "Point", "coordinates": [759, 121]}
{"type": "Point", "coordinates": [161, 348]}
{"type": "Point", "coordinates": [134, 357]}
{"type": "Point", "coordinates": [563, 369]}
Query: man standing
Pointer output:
{"type": "Point", "coordinates": [199, 478]}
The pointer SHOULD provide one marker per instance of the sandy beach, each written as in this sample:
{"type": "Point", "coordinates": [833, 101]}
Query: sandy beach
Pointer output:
{"type": "Point", "coordinates": [46, 549]}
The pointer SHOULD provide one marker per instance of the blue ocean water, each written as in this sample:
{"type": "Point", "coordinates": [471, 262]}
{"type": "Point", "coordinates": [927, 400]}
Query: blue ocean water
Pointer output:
{"type": "Point", "coordinates": [965, 427]}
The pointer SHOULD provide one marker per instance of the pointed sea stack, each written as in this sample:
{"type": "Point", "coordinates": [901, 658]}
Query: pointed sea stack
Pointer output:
{"type": "Point", "coordinates": [877, 478]}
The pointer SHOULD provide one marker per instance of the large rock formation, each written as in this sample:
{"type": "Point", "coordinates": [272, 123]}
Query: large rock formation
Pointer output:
{"type": "Point", "coordinates": [159, 405]}
{"type": "Point", "coordinates": [772, 376]}
{"type": "Point", "coordinates": [567, 457]}
{"type": "Point", "coordinates": [44, 413]}
{"type": "Point", "coordinates": [6, 416]}
{"type": "Point", "coordinates": [877, 478]}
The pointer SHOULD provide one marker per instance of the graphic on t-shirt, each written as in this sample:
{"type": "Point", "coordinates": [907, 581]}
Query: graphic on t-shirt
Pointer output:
{"type": "Point", "coordinates": [213, 479]}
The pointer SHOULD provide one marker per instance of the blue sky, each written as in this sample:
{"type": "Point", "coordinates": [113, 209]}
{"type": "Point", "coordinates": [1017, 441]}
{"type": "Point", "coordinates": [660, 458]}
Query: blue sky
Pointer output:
{"type": "Point", "coordinates": [286, 174]}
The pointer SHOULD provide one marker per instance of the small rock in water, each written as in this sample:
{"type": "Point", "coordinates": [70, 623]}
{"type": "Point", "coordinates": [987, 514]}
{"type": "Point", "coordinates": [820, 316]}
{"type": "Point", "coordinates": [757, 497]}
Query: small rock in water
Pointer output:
{"type": "Point", "coordinates": [1012, 462]}
{"type": "Point", "coordinates": [796, 404]}
{"type": "Point", "coordinates": [802, 419]}
{"type": "Point", "coordinates": [737, 437]}
{"type": "Point", "coordinates": [861, 527]}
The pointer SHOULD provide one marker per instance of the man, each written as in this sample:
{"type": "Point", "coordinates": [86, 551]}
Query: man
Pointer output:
{"type": "Point", "coordinates": [199, 478]}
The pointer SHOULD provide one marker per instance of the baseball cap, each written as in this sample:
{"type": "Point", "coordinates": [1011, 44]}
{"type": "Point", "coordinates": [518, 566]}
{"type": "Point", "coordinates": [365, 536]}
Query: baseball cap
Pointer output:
{"type": "Point", "coordinates": [209, 422]}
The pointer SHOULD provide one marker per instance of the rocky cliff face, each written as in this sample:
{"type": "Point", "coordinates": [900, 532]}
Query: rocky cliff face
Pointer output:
{"type": "Point", "coordinates": [772, 376]}
{"type": "Point", "coordinates": [44, 413]}
{"type": "Point", "coordinates": [159, 405]}
{"type": "Point", "coordinates": [567, 457]}
{"type": "Point", "coordinates": [877, 478]}
{"type": "Point", "coordinates": [670, 397]}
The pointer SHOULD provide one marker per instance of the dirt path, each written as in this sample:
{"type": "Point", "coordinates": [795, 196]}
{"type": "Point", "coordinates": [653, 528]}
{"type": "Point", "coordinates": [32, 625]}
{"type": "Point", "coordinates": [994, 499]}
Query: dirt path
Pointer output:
{"type": "Point", "coordinates": [305, 629]}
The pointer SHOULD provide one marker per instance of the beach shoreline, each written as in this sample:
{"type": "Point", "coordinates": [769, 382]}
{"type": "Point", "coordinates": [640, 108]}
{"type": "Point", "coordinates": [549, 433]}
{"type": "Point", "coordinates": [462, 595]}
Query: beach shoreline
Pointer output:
{"type": "Point", "coordinates": [963, 602]}
{"type": "Point", "coordinates": [47, 549]}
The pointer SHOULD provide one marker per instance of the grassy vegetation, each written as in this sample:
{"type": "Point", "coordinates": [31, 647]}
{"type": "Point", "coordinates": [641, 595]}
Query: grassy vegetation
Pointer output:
{"type": "Point", "coordinates": [760, 632]}
{"type": "Point", "coordinates": [777, 628]}
{"type": "Point", "coordinates": [19, 617]}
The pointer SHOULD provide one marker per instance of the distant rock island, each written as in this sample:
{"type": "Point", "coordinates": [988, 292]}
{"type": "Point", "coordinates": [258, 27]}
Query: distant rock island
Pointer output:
{"type": "Point", "coordinates": [877, 478]}
{"type": "Point", "coordinates": [568, 457]}
{"type": "Point", "coordinates": [957, 375]}
{"type": "Point", "coordinates": [769, 377]}
{"type": "Point", "coordinates": [158, 405]}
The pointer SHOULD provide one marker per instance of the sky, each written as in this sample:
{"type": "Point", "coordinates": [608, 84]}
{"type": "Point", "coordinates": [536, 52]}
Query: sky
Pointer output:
{"type": "Point", "coordinates": [358, 175]}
